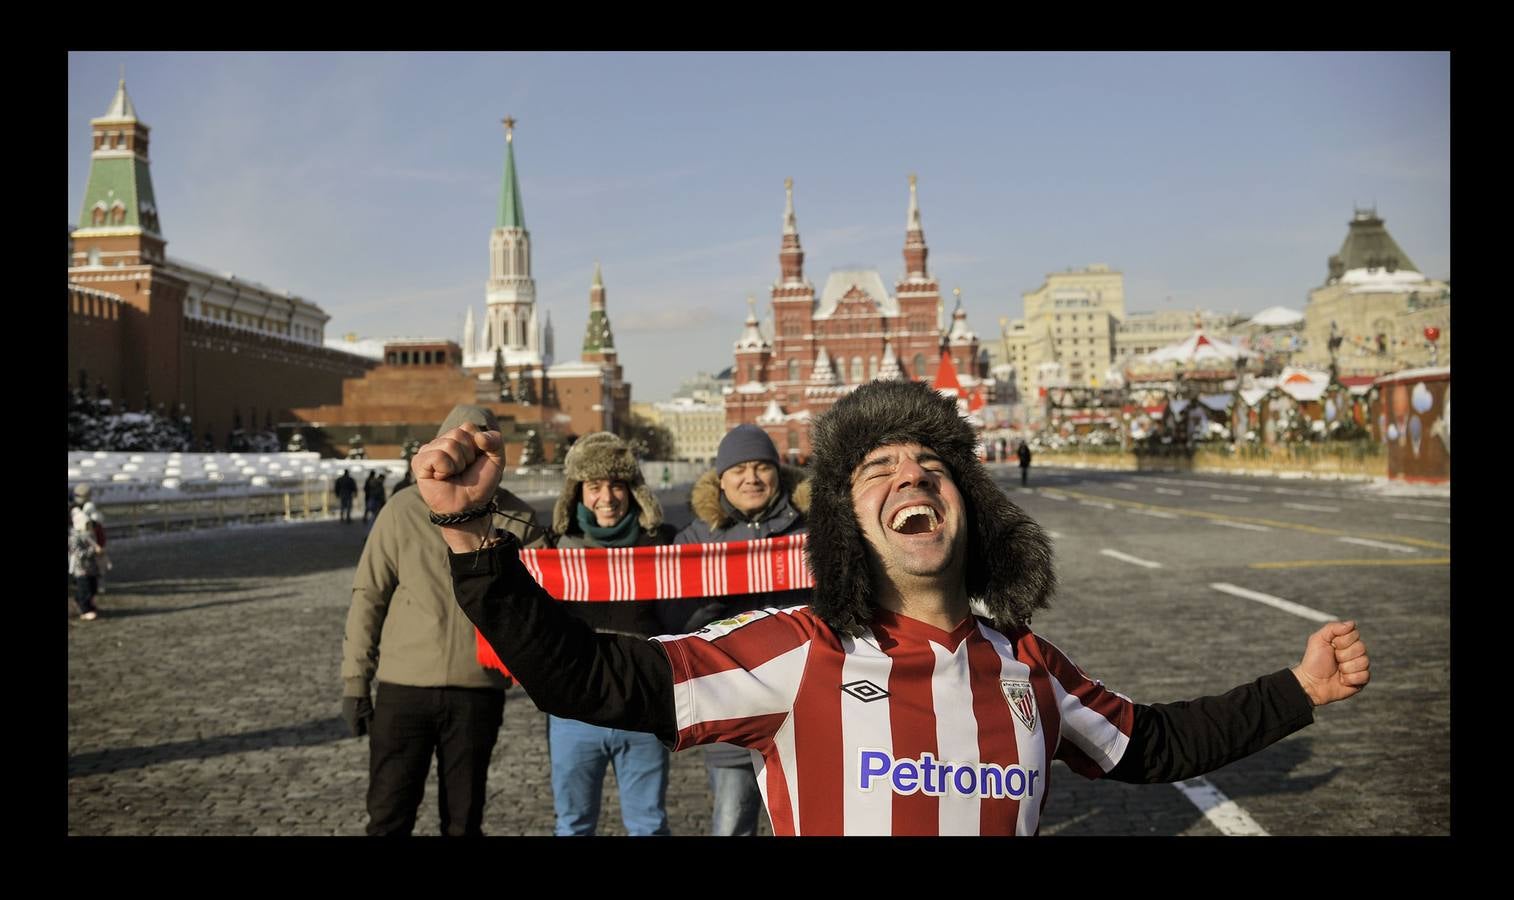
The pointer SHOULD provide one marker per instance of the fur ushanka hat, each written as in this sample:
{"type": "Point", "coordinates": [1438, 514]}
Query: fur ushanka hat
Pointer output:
{"type": "Point", "coordinates": [1009, 558]}
{"type": "Point", "coordinates": [602, 455]}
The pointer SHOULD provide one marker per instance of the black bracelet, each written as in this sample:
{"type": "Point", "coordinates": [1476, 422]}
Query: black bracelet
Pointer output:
{"type": "Point", "coordinates": [467, 515]}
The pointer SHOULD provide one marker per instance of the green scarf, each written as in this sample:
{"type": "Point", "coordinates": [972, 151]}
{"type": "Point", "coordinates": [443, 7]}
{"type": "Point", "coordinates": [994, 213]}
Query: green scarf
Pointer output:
{"type": "Point", "coordinates": [624, 533]}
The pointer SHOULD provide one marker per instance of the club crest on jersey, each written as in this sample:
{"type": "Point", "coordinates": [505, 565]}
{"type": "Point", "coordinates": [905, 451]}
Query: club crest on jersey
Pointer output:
{"type": "Point", "coordinates": [725, 626]}
{"type": "Point", "coordinates": [1021, 701]}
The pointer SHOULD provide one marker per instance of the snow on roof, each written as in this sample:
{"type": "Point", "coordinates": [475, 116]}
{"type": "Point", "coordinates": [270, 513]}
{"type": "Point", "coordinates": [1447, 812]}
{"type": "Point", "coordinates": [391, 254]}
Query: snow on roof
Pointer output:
{"type": "Point", "coordinates": [574, 367]}
{"type": "Point", "coordinates": [1299, 375]}
{"type": "Point", "coordinates": [1426, 372]}
{"type": "Point", "coordinates": [1197, 347]}
{"type": "Point", "coordinates": [1303, 391]}
{"type": "Point", "coordinates": [1303, 384]}
{"type": "Point", "coordinates": [371, 348]}
{"type": "Point", "coordinates": [773, 415]}
{"type": "Point", "coordinates": [1274, 316]}
{"type": "Point", "coordinates": [185, 267]}
{"type": "Point", "coordinates": [1369, 281]}
{"type": "Point", "coordinates": [408, 341]}
{"type": "Point", "coordinates": [752, 387]}
{"type": "Point", "coordinates": [1216, 402]}
{"type": "Point", "coordinates": [1251, 396]}
{"type": "Point", "coordinates": [868, 280]}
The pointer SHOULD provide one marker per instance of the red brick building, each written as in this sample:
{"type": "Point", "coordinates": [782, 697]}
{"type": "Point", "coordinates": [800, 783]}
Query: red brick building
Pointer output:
{"type": "Point", "coordinates": [853, 332]}
{"type": "Point", "coordinates": [162, 331]}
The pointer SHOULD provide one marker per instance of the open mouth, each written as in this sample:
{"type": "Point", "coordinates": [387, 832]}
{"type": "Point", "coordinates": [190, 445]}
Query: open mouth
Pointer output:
{"type": "Point", "coordinates": [919, 519]}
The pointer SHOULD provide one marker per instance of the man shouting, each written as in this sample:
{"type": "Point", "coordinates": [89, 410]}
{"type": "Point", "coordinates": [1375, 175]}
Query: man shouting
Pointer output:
{"type": "Point", "coordinates": [911, 696]}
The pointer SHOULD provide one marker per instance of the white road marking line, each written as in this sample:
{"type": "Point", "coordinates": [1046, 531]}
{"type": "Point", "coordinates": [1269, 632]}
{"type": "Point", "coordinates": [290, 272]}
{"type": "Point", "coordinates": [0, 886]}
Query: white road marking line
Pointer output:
{"type": "Point", "coordinates": [1222, 812]}
{"type": "Point", "coordinates": [1096, 504]}
{"type": "Point", "coordinates": [1278, 602]}
{"type": "Point", "coordinates": [1053, 496]}
{"type": "Point", "coordinates": [1207, 484]}
{"type": "Point", "coordinates": [1055, 535]}
{"type": "Point", "coordinates": [1229, 498]}
{"type": "Point", "coordinates": [1155, 513]}
{"type": "Point", "coordinates": [1125, 557]}
{"type": "Point", "coordinates": [1308, 508]}
{"type": "Point", "coordinates": [1246, 525]}
{"type": "Point", "coordinates": [1381, 545]}
{"type": "Point", "coordinates": [1412, 518]}
{"type": "Point", "coordinates": [1169, 492]}
{"type": "Point", "coordinates": [1125, 487]}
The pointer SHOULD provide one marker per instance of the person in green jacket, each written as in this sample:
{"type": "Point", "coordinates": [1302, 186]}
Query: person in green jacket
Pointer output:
{"type": "Point", "coordinates": [405, 631]}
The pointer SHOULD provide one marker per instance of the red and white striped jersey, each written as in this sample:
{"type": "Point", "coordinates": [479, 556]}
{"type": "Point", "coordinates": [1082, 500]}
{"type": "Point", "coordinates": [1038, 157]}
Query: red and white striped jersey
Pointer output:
{"type": "Point", "coordinates": [907, 730]}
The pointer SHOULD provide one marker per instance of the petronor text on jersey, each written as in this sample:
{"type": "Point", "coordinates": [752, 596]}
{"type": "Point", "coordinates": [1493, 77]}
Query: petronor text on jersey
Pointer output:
{"type": "Point", "coordinates": [936, 777]}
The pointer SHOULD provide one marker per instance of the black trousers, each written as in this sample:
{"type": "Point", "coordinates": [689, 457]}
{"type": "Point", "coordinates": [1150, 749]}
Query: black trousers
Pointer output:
{"type": "Point", "coordinates": [410, 725]}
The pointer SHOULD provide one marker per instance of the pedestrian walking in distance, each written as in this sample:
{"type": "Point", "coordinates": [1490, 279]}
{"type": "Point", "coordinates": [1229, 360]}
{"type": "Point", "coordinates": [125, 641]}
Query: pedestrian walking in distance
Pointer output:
{"type": "Point", "coordinates": [346, 489]}
{"type": "Point", "coordinates": [1024, 454]}
{"type": "Point", "coordinates": [84, 564]}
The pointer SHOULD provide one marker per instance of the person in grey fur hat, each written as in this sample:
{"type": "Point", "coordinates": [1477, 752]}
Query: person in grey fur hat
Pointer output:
{"type": "Point", "coordinates": [911, 697]}
{"type": "Point", "coordinates": [605, 502]}
{"type": "Point", "coordinates": [749, 495]}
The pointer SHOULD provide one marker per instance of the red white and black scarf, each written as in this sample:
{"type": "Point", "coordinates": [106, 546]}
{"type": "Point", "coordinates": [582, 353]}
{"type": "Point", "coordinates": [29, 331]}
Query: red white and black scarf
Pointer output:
{"type": "Point", "coordinates": [668, 572]}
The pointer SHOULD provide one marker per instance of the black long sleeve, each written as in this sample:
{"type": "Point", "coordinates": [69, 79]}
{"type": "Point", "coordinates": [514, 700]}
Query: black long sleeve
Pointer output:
{"type": "Point", "coordinates": [566, 668]}
{"type": "Point", "coordinates": [1175, 741]}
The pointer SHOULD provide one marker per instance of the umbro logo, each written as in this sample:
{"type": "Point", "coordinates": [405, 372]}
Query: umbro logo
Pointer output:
{"type": "Point", "coordinates": [865, 691]}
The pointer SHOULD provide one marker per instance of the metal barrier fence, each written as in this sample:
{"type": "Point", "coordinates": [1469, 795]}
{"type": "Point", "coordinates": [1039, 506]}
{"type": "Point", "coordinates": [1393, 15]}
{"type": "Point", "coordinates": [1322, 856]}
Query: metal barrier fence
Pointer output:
{"type": "Point", "coordinates": [126, 517]}
{"type": "Point", "coordinates": [136, 518]}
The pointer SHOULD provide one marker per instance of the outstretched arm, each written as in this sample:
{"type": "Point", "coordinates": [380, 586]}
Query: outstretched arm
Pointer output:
{"type": "Point", "coordinates": [566, 668]}
{"type": "Point", "coordinates": [1176, 741]}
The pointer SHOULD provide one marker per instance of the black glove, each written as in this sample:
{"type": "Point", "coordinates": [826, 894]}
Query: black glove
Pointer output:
{"type": "Point", "coordinates": [357, 712]}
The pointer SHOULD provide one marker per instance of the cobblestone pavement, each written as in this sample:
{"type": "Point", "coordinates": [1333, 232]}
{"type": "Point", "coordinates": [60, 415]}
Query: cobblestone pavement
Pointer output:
{"type": "Point", "coordinates": [205, 700]}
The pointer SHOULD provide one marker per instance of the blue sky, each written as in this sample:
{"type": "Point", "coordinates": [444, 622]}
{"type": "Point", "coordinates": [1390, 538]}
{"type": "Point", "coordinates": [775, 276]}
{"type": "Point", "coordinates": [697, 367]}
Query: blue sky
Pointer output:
{"type": "Point", "coordinates": [368, 182]}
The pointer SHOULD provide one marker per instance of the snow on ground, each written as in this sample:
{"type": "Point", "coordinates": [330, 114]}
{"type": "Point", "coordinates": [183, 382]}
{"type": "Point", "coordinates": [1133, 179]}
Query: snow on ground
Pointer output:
{"type": "Point", "coordinates": [1389, 488]}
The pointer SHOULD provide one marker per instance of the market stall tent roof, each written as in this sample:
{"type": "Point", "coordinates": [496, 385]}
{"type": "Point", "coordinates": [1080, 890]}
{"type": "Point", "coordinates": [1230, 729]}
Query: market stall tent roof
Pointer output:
{"type": "Point", "coordinates": [1197, 347]}
{"type": "Point", "coordinates": [1303, 384]}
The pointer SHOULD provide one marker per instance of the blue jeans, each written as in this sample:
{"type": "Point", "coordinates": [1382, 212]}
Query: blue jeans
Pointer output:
{"type": "Point", "coordinates": [580, 752]}
{"type": "Point", "coordinates": [737, 799]}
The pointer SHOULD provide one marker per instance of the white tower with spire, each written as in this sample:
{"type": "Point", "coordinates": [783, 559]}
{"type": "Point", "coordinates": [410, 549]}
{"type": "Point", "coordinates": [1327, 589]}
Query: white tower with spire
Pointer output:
{"type": "Point", "coordinates": [510, 312]}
